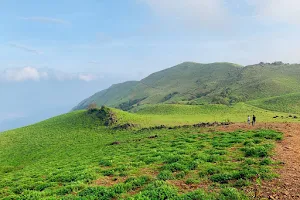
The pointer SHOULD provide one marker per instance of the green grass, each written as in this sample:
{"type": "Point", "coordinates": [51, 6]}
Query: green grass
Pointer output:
{"type": "Point", "coordinates": [172, 114]}
{"type": "Point", "coordinates": [67, 156]}
{"type": "Point", "coordinates": [286, 103]}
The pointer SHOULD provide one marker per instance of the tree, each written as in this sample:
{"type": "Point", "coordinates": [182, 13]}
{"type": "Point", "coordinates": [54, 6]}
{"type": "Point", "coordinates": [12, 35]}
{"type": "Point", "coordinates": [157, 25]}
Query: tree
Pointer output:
{"type": "Point", "coordinates": [92, 106]}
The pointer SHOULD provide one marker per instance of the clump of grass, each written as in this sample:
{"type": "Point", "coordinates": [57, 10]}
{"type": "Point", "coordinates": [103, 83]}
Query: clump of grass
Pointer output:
{"type": "Point", "coordinates": [266, 161]}
{"type": "Point", "coordinates": [232, 194]}
{"type": "Point", "coordinates": [174, 167]}
{"type": "Point", "coordinates": [108, 172]}
{"type": "Point", "coordinates": [180, 175]}
{"type": "Point", "coordinates": [258, 151]}
{"type": "Point", "coordinates": [97, 193]}
{"type": "Point", "coordinates": [158, 190]}
{"type": "Point", "coordinates": [192, 181]}
{"type": "Point", "coordinates": [105, 163]}
{"type": "Point", "coordinates": [165, 175]}
{"type": "Point", "coordinates": [172, 159]}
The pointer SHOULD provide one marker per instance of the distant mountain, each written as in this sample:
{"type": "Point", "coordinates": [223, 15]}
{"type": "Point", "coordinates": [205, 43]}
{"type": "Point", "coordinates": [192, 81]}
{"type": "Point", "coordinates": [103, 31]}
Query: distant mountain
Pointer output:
{"type": "Point", "coordinates": [194, 83]}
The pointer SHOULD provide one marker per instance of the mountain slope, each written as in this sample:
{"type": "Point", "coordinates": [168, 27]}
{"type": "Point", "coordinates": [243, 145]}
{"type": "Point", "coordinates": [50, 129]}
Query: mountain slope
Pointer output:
{"type": "Point", "coordinates": [110, 96]}
{"type": "Point", "coordinates": [193, 83]}
{"type": "Point", "coordinates": [289, 103]}
{"type": "Point", "coordinates": [182, 82]}
{"type": "Point", "coordinates": [267, 80]}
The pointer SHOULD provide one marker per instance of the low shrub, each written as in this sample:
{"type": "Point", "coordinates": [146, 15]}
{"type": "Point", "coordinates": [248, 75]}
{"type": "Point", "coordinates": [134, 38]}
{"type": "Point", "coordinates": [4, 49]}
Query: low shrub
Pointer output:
{"type": "Point", "coordinates": [165, 175]}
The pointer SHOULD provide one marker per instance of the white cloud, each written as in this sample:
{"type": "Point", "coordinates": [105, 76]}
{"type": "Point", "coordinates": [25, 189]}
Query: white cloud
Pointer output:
{"type": "Point", "coordinates": [25, 48]}
{"type": "Point", "coordinates": [285, 11]}
{"type": "Point", "coordinates": [204, 12]}
{"type": "Point", "coordinates": [34, 74]}
{"type": "Point", "coordinates": [21, 74]}
{"type": "Point", "coordinates": [87, 77]}
{"type": "Point", "coordinates": [46, 20]}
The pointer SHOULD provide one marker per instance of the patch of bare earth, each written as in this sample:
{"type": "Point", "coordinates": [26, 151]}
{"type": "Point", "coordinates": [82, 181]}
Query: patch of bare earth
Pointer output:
{"type": "Point", "coordinates": [109, 181]}
{"type": "Point", "coordinates": [183, 187]}
{"type": "Point", "coordinates": [287, 151]}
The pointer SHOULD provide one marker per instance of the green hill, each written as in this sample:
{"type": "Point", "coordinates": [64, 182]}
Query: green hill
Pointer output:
{"type": "Point", "coordinates": [289, 103]}
{"type": "Point", "coordinates": [193, 83]}
{"type": "Point", "coordinates": [87, 155]}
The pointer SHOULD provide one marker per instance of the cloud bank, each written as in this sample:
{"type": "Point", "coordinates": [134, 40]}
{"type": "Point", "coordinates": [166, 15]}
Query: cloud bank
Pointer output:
{"type": "Point", "coordinates": [34, 74]}
{"type": "Point", "coordinates": [22, 74]}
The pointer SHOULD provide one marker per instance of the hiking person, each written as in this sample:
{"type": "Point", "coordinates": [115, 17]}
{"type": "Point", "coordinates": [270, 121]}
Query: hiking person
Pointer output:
{"type": "Point", "coordinates": [253, 120]}
{"type": "Point", "coordinates": [249, 120]}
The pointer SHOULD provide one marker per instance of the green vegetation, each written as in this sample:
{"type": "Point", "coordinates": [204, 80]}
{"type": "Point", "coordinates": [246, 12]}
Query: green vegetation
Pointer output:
{"type": "Point", "coordinates": [171, 114]}
{"type": "Point", "coordinates": [80, 156]}
{"type": "Point", "coordinates": [202, 84]}
{"type": "Point", "coordinates": [286, 103]}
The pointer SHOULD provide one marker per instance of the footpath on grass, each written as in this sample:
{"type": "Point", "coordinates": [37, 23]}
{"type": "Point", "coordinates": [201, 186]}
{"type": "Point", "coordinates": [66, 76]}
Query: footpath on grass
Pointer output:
{"type": "Point", "coordinates": [287, 151]}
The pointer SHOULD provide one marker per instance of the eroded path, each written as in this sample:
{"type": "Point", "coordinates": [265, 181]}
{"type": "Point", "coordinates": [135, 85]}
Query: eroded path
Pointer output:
{"type": "Point", "coordinates": [287, 186]}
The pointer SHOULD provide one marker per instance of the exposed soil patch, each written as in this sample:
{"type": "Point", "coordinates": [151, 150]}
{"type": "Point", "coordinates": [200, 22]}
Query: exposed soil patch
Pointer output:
{"type": "Point", "coordinates": [181, 184]}
{"type": "Point", "coordinates": [109, 181]}
{"type": "Point", "coordinates": [148, 172]}
{"type": "Point", "coordinates": [287, 186]}
{"type": "Point", "coordinates": [199, 125]}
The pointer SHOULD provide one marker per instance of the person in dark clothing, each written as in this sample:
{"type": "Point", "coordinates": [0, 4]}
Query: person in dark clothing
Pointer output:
{"type": "Point", "coordinates": [253, 120]}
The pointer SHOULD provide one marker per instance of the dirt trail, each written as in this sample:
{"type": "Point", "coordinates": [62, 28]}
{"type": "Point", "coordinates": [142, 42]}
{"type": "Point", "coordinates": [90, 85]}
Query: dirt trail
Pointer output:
{"type": "Point", "coordinates": [287, 186]}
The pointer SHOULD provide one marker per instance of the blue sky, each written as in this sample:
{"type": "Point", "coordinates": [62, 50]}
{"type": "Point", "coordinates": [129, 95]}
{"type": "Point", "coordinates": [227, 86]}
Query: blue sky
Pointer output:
{"type": "Point", "coordinates": [133, 38]}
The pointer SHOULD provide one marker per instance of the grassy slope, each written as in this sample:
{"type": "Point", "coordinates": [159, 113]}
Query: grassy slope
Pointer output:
{"type": "Point", "coordinates": [189, 114]}
{"type": "Point", "coordinates": [69, 156]}
{"type": "Point", "coordinates": [286, 103]}
{"type": "Point", "coordinates": [261, 81]}
{"type": "Point", "coordinates": [198, 83]}
{"type": "Point", "coordinates": [188, 79]}
{"type": "Point", "coordinates": [113, 95]}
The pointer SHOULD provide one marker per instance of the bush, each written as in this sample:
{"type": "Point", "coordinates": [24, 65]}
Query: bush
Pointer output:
{"type": "Point", "coordinates": [241, 183]}
{"type": "Point", "coordinates": [108, 172]}
{"type": "Point", "coordinates": [100, 193]}
{"type": "Point", "coordinates": [174, 167]}
{"type": "Point", "coordinates": [231, 194]}
{"type": "Point", "coordinates": [172, 159]}
{"type": "Point", "coordinates": [159, 190]}
{"type": "Point", "coordinates": [192, 165]}
{"type": "Point", "coordinates": [222, 178]}
{"type": "Point", "coordinates": [270, 135]}
{"type": "Point", "coordinates": [165, 175]}
{"type": "Point", "coordinates": [266, 161]}
{"type": "Point", "coordinates": [180, 175]}
{"type": "Point", "coordinates": [196, 195]}
{"type": "Point", "coordinates": [92, 106]}
{"type": "Point", "coordinates": [259, 151]}
{"type": "Point", "coordinates": [105, 163]}
{"type": "Point", "coordinates": [191, 181]}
